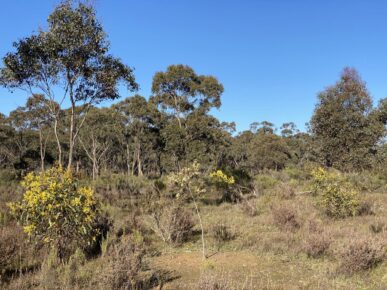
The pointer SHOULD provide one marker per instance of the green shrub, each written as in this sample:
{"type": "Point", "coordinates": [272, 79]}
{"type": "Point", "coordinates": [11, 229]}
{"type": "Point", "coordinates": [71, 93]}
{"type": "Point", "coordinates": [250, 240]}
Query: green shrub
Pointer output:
{"type": "Point", "coordinates": [264, 182]}
{"type": "Point", "coordinates": [367, 181]}
{"type": "Point", "coordinates": [336, 196]}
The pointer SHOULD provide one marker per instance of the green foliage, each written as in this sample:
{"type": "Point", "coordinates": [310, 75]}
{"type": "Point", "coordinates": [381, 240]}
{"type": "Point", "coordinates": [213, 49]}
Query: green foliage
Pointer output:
{"type": "Point", "coordinates": [336, 196]}
{"type": "Point", "coordinates": [264, 182]}
{"type": "Point", "coordinates": [55, 210]}
{"type": "Point", "coordinates": [345, 127]}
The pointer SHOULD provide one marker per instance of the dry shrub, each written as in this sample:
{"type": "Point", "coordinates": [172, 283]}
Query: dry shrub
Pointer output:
{"type": "Point", "coordinates": [172, 223]}
{"type": "Point", "coordinates": [221, 234]}
{"type": "Point", "coordinates": [124, 266]}
{"type": "Point", "coordinates": [12, 250]}
{"type": "Point", "coordinates": [366, 208]}
{"type": "Point", "coordinates": [378, 227]}
{"type": "Point", "coordinates": [285, 217]}
{"type": "Point", "coordinates": [249, 207]}
{"type": "Point", "coordinates": [286, 191]}
{"type": "Point", "coordinates": [208, 281]}
{"type": "Point", "coordinates": [314, 226]}
{"type": "Point", "coordinates": [8, 247]}
{"type": "Point", "coordinates": [316, 245]}
{"type": "Point", "coordinates": [360, 255]}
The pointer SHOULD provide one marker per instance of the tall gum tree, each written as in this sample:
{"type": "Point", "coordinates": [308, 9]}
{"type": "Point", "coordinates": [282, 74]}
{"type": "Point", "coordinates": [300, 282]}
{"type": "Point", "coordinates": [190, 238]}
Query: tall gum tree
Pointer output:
{"type": "Point", "coordinates": [69, 63]}
{"type": "Point", "coordinates": [345, 126]}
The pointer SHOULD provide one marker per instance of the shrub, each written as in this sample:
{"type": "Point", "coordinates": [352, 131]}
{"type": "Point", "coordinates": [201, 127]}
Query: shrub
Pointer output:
{"type": "Point", "coordinates": [360, 255]}
{"type": "Point", "coordinates": [11, 240]}
{"type": "Point", "coordinates": [336, 196]}
{"type": "Point", "coordinates": [221, 234]}
{"type": "Point", "coordinates": [316, 245]}
{"type": "Point", "coordinates": [124, 266]}
{"type": "Point", "coordinates": [378, 227]}
{"type": "Point", "coordinates": [188, 184]}
{"type": "Point", "coordinates": [286, 191]}
{"type": "Point", "coordinates": [366, 208]}
{"type": "Point", "coordinates": [286, 217]}
{"type": "Point", "coordinates": [224, 183]}
{"type": "Point", "coordinates": [209, 281]}
{"type": "Point", "coordinates": [55, 210]}
{"type": "Point", "coordinates": [249, 207]}
{"type": "Point", "coordinates": [264, 182]}
{"type": "Point", "coordinates": [172, 223]}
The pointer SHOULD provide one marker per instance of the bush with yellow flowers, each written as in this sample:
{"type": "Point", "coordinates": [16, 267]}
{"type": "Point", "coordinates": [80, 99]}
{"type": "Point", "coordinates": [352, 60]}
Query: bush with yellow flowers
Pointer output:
{"type": "Point", "coordinates": [336, 196]}
{"type": "Point", "coordinates": [224, 184]}
{"type": "Point", "coordinates": [221, 179]}
{"type": "Point", "coordinates": [56, 210]}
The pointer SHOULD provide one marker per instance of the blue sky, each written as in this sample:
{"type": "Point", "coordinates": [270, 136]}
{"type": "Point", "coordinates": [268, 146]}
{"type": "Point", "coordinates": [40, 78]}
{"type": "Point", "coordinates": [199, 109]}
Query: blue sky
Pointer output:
{"type": "Point", "coordinates": [272, 56]}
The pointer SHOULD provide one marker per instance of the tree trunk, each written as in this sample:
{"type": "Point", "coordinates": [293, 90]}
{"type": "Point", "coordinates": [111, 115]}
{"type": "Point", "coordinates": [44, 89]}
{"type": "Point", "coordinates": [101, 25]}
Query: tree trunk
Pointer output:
{"type": "Point", "coordinates": [42, 151]}
{"type": "Point", "coordinates": [201, 226]}
{"type": "Point", "coordinates": [139, 163]}
{"type": "Point", "coordinates": [128, 158]}
{"type": "Point", "coordinates": [72, 127]}
{"type": "Point", "coordinates": [94, 160]}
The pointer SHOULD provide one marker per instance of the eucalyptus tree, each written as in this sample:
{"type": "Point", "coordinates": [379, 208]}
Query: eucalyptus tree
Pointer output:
{"type": "Point", "coordinates": [99, 136]}
{"type": "Point", "coordinates": [344, 125]}
{"type": "Point", "coordinates": [179, 91]}
{"type": "Point", "coordinates": [6, 141]}
{"type": "Point", "coordinates": [140, 120]}
{"type": "Point", "coordinates": [289, 129]}
{"type": "Point", "coordinates": [37, 118]}
{"type": "Point", "coordinates": [69, 63]}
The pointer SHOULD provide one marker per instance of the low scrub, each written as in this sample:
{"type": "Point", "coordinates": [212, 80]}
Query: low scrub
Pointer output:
{"type": "Point", "coordinates": [316, 245]}
{"type": "Point", "coordinates": [378, 227]}
{"type": "Point", "coordinates": [210, 281]}
{"type": "Point", "coordinates": [361, 254]}
{"type": "Point", "coordinates": [221, 234]}
{"type": "Point", "coordinates": [172, 223]}
{"type": "Point", "coordinates": [286, 217]}
{"type": "Point", "coordinates": [125, 266]}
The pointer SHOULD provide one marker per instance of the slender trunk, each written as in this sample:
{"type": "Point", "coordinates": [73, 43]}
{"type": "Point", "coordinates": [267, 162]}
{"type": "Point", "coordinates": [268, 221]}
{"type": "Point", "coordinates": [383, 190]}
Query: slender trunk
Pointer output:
{"type": "Point", "coordinates": [71, 140]}
{"type": "Point", "coordinates": [128, 159]}
{"type": "Point", "coordinates": [41, 150]}
{"type": "Point", "coordinates": [139, 164]}
{"type": "Point", "coordinates": [72, 127]}
{"type": "Point", "coordinates": [177, 111]}
{"type": "Point", "coordinates": [201, 226]}
{"type": "Point", "coordinates": [58, 143]}
{"type": "Point", "coordinates": [94, 160]}
{"type": "Point", "coordinates": [134, 161]}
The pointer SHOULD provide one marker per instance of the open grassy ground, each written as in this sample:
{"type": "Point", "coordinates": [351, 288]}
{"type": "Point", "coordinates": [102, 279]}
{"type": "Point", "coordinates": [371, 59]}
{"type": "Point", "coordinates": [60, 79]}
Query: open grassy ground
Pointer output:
{"type": "Point", "coordinates": [262, 256]}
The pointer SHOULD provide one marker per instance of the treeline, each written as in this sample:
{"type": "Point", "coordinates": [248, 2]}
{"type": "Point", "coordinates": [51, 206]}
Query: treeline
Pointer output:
{"type": "Point", "coordinates": [70, 64]}
{"type": "Point", "coordinates": [173, 128]}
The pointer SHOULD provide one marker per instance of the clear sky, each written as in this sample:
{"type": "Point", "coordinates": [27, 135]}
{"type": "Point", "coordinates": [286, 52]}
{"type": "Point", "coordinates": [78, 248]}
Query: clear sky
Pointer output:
{"type": "Point", "coordinates": [272, 56]}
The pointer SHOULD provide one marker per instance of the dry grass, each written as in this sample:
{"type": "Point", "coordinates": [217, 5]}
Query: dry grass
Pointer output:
{"type": "Point", "coordinates": [275, 249]}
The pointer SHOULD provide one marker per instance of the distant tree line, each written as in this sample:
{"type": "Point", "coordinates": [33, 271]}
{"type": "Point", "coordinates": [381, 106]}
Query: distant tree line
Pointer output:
{"type": "Point", "coordinates": [70, 63]}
